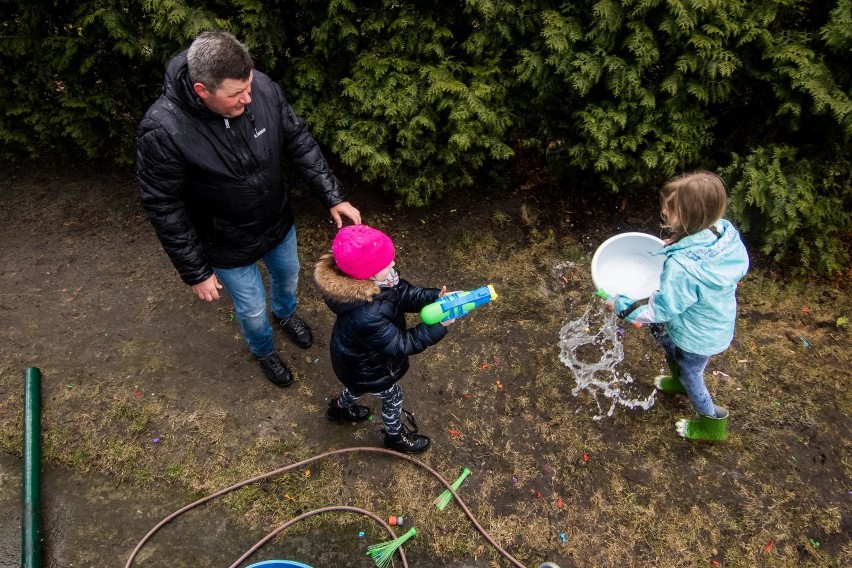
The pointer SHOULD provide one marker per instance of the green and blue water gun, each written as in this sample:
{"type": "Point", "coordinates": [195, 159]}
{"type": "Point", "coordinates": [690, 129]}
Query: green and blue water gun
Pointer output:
{"type": "Point", "coordinates": [457, 304]}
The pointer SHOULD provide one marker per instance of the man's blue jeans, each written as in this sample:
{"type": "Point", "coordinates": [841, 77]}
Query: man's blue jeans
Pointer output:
{"type": "Point", "coordinates": [691, 366]}
{"type": "Point", "coordinates": [245, 286]}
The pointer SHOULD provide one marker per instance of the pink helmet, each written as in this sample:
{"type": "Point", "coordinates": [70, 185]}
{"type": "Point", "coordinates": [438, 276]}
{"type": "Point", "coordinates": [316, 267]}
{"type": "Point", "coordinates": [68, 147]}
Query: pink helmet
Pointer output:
{"type": "Point", "coordinates": [361, 251]}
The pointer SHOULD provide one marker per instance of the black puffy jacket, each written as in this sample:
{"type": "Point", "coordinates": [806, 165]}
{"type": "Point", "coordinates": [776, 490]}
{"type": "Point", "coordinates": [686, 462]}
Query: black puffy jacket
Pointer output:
{"type": "Point", "coordinates": [370, 343]}
{"type": "Point", "coordinates": [213, 187]}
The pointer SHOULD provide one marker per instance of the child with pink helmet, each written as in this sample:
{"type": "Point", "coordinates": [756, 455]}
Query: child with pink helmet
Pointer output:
{"type": "Point", "coordinates": [371, 342]}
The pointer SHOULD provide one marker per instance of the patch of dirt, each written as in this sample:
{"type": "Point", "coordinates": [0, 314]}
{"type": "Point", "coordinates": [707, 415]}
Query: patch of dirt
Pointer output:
{"type": "Point", "coordinates": [151, 389]}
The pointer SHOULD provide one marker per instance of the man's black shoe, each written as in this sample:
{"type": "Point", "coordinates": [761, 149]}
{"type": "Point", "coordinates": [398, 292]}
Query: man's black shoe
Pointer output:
{"type": "Point", "coordinates": [407, 442]}
{"type": "Point", "coordinates": [298, 330]}
{"type": "Point", "coordinates": [355, 413]}
{"type": "Point", "coordinates": [275, 369]}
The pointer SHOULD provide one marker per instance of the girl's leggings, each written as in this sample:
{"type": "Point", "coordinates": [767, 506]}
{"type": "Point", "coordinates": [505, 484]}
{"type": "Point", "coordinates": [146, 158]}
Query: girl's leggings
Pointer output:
{"type": "Point", "coordinates": [391, 406]}
{"type": "Point", "coordinates": [691, 367]}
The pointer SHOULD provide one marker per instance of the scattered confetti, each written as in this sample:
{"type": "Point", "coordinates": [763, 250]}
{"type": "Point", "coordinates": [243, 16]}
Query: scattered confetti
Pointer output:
{"type": "Point", "coordinates": [454, 432]}
{"type": "Point", "coordinates": [484, 366]}
{"type": "Point", "coordinates": [620, 331]}
{"type": "Point", "coordinates": [720, 374]}
{"type": "Point", "coordinates": [805, 310]}
{"type": "Point", "coordinates": [69, 386]}
{"type": "Point", "coordinates": [547, 469]}
{"type": "Point", "coordinates": [515, 481]}
{"type": "Point", "coordinates": [360, 534]}
{"type": "Point", "coordinates": [467, 395]}
{"type": "Point", "coordinates": [559, 503]}
{"type": "Point", "coordinates": [585, 457]}
{"type": "Point", "coordinates": [307, 473]}
{"type": "Point", "coordinates": [715, 562]}
{"type": "Point", "coordinates": [814, 543]}
{"type": "Point", "coordinates": [499, 385]}
{"type": "Point", "coordinates": [155, 440]}
{"type": "Point", "coordinates": [768, 547]}
{"type": "Point", "coordinates": [804, 342]}
{"type": "Point", "coordinates": [538, 494]}
{"type": "Point", "coordinates": [777, 404]}
{"type": "Point", "coordinates": [137, 393]}
{"type": "Point", "coordinates": [563, 538]}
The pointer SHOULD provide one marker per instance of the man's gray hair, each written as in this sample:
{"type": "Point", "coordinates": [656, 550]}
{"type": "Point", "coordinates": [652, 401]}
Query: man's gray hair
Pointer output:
{"type": "Point", "coordinates": [215, 56]}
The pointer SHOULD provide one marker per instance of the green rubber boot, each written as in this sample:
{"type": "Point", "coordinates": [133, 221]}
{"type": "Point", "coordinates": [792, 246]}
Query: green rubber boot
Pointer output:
{"type": "Point", "coordinates": [706, 428]}
{"type": "Point", "coordinates": [670, 383]}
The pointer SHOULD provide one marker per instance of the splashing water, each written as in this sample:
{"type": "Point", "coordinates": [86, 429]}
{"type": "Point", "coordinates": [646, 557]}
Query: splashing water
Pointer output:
{"type": "Point", "coordinates": [596, 332]}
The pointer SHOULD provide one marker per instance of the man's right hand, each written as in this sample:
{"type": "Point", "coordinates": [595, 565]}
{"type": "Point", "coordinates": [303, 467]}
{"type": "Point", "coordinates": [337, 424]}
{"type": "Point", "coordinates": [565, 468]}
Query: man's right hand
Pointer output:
{"type": "Point", "coordinates": [207, 290]}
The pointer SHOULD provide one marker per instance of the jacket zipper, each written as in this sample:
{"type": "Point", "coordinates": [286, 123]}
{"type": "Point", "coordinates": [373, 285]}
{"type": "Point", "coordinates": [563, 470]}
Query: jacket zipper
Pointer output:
{"type": "Point", "coordinates": [239, 149]}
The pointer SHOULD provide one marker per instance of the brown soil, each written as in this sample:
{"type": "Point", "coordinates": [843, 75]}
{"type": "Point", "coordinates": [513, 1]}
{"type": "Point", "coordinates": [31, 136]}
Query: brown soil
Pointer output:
{"type": "Point", "coordinates": [152, 393]}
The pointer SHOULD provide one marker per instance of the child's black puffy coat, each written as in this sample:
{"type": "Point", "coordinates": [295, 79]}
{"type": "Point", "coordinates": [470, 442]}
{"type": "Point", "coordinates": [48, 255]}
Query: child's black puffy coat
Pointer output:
{"type": "Point", "coordinates": [370, 343]}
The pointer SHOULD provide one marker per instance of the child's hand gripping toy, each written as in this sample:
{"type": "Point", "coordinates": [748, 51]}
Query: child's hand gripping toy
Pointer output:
{"type": "Point", "coordinates": [457, 304]}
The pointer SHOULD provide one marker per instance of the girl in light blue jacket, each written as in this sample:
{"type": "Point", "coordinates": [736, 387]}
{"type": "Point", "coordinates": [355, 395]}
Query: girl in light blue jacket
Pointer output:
{"type": "Point", "coordinates": [692, 314]}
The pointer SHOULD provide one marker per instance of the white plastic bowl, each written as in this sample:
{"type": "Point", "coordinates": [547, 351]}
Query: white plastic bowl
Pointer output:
{"type": "Point", "coordinates": [623, 264]}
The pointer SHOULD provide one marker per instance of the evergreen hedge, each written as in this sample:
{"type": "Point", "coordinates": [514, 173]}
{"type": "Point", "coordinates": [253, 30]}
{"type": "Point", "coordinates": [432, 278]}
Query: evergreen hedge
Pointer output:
{"type": "Point", "coordinates": [425, 97]}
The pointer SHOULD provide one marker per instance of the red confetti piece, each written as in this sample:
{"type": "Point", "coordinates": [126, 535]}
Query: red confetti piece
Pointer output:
{"type": "Point", "coordinates": [484, 366]}
{"type": "Point", "coordinates": [805, 310]}
{"type": "Point", "coordinates": [585, 457]}
{"type": "Point", "coordinates": [559, 503]}
{"type": "Point", "coordinates": [715, 562]}
{"type": "Point", "coordinates": [538, 495]}
{"type": "Point", "coordinates": [454, 432]}
{"type": "Point", "coordinates": [768, 547]}
{"type": "Point", "coordinates": [467, 395]}
{"type": "Point", "coordinates": [137, 393]}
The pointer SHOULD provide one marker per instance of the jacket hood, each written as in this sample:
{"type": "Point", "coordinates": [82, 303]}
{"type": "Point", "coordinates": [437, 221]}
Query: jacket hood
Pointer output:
{"type": "Point", "coordinates": [342, 293]}
{"type": "Point", "coordinates": [178, 88]}
{"type": "Point", "coordinates": [715, 261]}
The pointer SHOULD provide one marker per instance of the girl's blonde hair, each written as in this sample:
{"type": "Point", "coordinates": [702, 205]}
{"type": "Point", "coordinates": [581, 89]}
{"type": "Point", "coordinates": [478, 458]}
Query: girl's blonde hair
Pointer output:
{"type": "Point", "coordinates": [692, 202]}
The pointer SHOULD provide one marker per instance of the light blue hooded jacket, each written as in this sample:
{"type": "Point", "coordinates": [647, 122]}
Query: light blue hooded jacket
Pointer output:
{"type": "Point", "coordinates": [697, 295]}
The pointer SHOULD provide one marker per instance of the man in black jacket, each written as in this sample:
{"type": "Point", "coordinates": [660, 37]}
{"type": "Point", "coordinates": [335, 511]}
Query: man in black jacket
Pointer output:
{"type": "Point", "coordinates": [210, 154]}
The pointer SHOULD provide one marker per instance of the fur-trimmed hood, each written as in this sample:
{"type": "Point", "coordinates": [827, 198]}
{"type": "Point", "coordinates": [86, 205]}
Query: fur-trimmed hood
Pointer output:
{"type": "Point", "coordinates": [340, 290]}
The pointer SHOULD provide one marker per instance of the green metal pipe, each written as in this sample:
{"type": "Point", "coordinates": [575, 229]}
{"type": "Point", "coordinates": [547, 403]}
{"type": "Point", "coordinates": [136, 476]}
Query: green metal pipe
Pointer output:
{"type": "Point", "coordinates": [31, 485]}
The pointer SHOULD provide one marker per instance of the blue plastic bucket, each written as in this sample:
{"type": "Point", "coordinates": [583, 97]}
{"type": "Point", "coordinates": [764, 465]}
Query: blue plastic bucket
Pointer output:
{"type": "Point", "coordinates": [279, 564]}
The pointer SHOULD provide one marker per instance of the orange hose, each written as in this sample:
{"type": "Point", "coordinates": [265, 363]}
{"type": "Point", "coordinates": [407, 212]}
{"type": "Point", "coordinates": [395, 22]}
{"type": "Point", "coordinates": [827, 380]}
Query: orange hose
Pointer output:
{"type": "Point", "coordinates": [324, 455]}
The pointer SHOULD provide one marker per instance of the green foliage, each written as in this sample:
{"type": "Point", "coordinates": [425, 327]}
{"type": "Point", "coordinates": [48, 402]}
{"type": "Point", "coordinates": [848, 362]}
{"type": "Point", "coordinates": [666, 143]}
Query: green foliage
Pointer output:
{"type": "Point", "coordinates": [410, 95]}
{"type": "Point", "coordinates": [797, 210]}
{"type": "Point", "coordinates": [425, 97]}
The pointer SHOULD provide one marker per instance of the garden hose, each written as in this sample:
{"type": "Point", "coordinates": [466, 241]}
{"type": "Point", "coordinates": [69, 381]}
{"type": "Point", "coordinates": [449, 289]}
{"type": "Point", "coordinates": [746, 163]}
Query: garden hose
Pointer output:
{"type": "Point", "coordinates": [280, 470]}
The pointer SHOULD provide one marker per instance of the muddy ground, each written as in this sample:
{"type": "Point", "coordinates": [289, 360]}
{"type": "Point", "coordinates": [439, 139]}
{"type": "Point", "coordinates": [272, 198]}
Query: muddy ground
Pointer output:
{"type": "Point", "coordinates": [151, 399]}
